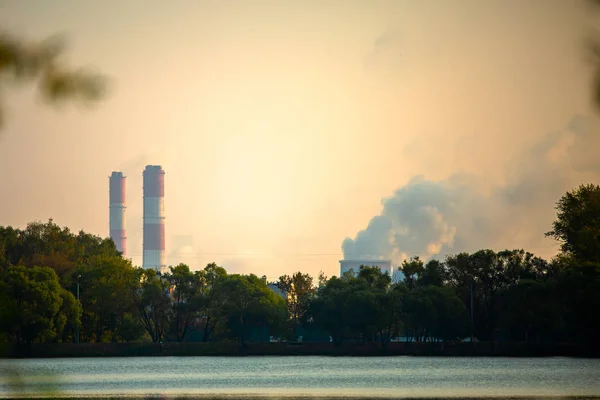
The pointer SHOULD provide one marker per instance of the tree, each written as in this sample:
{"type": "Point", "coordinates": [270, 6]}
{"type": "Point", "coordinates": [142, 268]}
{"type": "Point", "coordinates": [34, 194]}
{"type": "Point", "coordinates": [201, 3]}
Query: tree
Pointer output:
{"type": "Point", "coordinates": [389, 316]}
{"type": "Point", "coordinates": [452, 315]}
{"type": "Point", "coordinates": [31, 304]}
{"type": "Point", "coordinates": [412, 269]}
{"type": "Point", "coordinates": [129, 328]}
{"type": "Point", "coordinates": [479, 278]}
{"type": "Point", "coordinates": [322, 279]}
{"type": "Point", "coordinates": [52, 246]}
{"type": "Point", "coordinates": [328, 309]}
{"type": "Point", "coordinates": [186, 301]}
{"type": "Point", "coordinates": [374, 310]}
{"type": "Point", "coordinates": [578, 290]}
{"type": "Point", "coordinates": [152, 302]}
{"type": "Point", "coordinates": [530, 309]}
{"type": "Point", "coordinates": [68, 318]}
{"type": "Point", "coordinates": [360, 306]}
{"type": "Point", "coordinates": [23, 62]}
{"type": "Point", "coordinates": [105, 288]}
{"type": "Point", "coordinates": [434, 274]}
{"type": "Point", "coordinates": [9, 242]}
{"type": "Point", "coordinates": [212, 300]}
{"type": "Point", "coordinates": [419, 314]}
{"type": "Point", "coordinates": [298, 290]}
{"type": "Point", "coordinates": [577, 226]}
{"type": "Point", "coordinates": [594, 47]}
{"type": "Point", "coordinates": [251, 305]}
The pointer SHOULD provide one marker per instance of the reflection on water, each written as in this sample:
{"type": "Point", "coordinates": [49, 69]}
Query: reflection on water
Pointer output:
{"type": "Point", "coordinates": [299, 377]}
{"type": "Point", "coordinates": [15, 383]}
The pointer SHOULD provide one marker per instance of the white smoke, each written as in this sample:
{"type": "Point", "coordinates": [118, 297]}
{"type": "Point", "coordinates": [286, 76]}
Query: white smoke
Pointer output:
{"type": "Point", "coordinates": [429, 218]}
{"type": "Point", "coordinates": [181, 250]}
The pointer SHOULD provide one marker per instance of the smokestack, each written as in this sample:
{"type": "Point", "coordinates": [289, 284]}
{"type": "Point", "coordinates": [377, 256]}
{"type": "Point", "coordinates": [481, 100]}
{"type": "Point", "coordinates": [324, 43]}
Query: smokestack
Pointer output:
{"type": "Point", "coordinates": [116, 185]}
{"type": "Point", "coordinates": [154, 218]}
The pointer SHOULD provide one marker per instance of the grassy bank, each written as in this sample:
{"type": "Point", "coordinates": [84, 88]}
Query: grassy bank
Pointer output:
{"type": "Point", "coordinates": [480, 349]}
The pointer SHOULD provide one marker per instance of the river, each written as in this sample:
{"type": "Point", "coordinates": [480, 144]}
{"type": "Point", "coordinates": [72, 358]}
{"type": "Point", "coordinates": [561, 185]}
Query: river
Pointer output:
{"type": "Point", "coordinates": [392, 377]}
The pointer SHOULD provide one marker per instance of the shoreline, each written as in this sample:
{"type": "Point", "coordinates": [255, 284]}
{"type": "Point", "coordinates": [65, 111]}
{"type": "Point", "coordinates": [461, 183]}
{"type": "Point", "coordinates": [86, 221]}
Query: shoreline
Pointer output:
{"type": "Point", "coordinates": [216, 349]}
{"type": "Point", "coordinates": [210, 396]}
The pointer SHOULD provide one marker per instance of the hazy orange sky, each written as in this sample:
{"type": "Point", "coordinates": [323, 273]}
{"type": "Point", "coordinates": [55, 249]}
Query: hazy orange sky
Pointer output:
{"type": "Point", "coordinates": [281, 125]}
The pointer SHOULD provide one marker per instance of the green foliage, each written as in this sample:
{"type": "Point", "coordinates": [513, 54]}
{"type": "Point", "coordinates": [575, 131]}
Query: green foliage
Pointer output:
{"type": "Point", "coordinates": [452, 322]}
{"type": "Point", "coordinates": [129, 328]}
{"type": "Point", "coordinates": [362, 307]}
{"type": "Point", "coordinates": [511, 294]}
{"type": "Point", "coordinates": [33, 306]}
{"type": "Point", "coordinates": [50, 245]}
{"type": "Point", "coordinates": [153, 303]}
{"type": "Point", "coordinates": [530, 309]}
{"type": "Point", "coordinates": [250, 305]}
{"type": "Point", "coordinates": [488, 274]}
{"type": "Point", "coordinates": [329, 311]}
{"type": "Point", "coordinates": [105, 295]}
{"type": "Point", "coordinates": [68, 320]}
{"type": "Point", "coordinates": [299, 291]}
{"type": "Point", "coordinates": [434, 273]}
{"type": "Point", "coordinates": [212, 300]}
{"type": "Point", "coordinates": [577, 226]}
{"type": "Point", "coordinates": [186, 298]}
{"type": "Point", "coordinates": [579, 292]}
{"type": "Point", "coordinates": [411, 269]}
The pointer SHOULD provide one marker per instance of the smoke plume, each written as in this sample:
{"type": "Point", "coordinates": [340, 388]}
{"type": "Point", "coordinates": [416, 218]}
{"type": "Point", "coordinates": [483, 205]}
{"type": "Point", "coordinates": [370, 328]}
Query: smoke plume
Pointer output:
{"type": "Point", "coordinates": [433, 218]}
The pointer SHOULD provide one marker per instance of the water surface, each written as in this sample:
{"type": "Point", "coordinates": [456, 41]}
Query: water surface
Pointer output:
{"type": "Point", "coordinates": [394, 377]}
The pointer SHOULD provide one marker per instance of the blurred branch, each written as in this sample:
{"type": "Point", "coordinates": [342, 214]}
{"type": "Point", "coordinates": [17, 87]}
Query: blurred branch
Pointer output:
{"type": "Point", "coordinates": [40, 62]}
{"type": "Point", "coordinates": [593, 48]}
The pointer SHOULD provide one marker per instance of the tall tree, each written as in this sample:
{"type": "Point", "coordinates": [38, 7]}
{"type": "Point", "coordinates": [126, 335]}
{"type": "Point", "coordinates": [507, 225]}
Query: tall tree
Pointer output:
{"type": "Point", "coordinates": [329, 309]}
{"type": "Point", "coordinates": [298, 290]}
{"type": "Point", "coordinates": [530, 310]}
{"type": "Point", "coordinates": [412, 269]}
{"type": "Point", "coordinates": [434, 273]}
{"type": "Point", "coordinates": [185, 296]}
{"type": "Point", "coordinates": [105, 288]}
{"type": "Point", "coordinates": [251, 305]}
{"type": "Point", "coordinates": [578, 292]}
{"type": "Point", "coordinates": [577, 224]}
{"type": "Point", "coordinates": [212, 300]}
{"type": "Point", "coordinates": [31, 302]}
{"type": "Point", "coordinates": [152, 302]}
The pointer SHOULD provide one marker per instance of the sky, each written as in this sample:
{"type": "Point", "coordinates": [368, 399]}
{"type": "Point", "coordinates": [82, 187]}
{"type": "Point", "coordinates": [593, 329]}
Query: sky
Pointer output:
{"type": "Point", "coordinates": [296, 133]}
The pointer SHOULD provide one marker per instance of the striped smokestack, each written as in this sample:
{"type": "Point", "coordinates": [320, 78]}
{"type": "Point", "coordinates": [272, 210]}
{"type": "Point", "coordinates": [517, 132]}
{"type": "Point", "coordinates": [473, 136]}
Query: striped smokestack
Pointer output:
{"type": "Point", "coordinates": [116, 185]}
{"type": "Point", "coordinates": [154, 218]}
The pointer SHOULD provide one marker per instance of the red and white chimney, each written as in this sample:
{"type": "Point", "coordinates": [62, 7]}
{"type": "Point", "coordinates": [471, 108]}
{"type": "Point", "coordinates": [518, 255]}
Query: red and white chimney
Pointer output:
{"type": "Point", "coordinates": [117, 211]}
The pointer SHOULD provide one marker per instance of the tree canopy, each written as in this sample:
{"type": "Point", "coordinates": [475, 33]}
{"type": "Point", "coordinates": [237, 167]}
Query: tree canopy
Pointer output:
{"type": "Point", "coordinates": [493, 295]}
{"type": "Point", "coordinates": [577, 226]}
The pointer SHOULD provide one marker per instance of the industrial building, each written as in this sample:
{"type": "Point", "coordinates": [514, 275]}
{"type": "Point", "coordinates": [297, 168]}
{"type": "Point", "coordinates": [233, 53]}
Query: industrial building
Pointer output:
{"type": "Point", "coordinates": [354, 266]}
{"type": "Point", "coordinates": [116, 207]}
{"type": "Point", "coordinates": [154, 218]}
{"type": "Point", "coordinates": [274, 287]}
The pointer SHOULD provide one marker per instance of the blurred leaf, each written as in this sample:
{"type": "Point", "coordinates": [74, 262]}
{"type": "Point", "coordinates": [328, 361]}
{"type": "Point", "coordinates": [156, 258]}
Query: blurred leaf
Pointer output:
{"type": "Point", "coordinates": [30, 62]}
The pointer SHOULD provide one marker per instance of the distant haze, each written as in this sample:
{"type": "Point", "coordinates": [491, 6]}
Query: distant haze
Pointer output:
{"type": "Point", "coordinates": [465, 212]}
{"type": "Point", "coordinates": [281, 126]}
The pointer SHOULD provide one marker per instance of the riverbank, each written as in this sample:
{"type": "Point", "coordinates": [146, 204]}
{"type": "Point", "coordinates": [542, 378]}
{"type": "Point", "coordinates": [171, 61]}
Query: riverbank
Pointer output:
{"type": "Point", "coordinates": [478, 349]}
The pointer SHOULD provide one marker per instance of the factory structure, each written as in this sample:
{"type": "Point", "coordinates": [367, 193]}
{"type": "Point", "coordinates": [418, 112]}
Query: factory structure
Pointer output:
{"type": "Point", "coordinates": [154, 255]}
{"type": "Point", "coordinates": [153, 217]}
{"type": "Point", "coordinates": [116, 184]}
{"type": "Point", "coordinates": [385, 266]}
{"type": "Point", "coordinates": [353, 266]}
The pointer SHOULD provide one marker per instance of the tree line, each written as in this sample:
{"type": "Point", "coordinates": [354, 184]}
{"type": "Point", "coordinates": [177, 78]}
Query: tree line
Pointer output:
{"type": "Point", "coordinates": [509, 295]}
